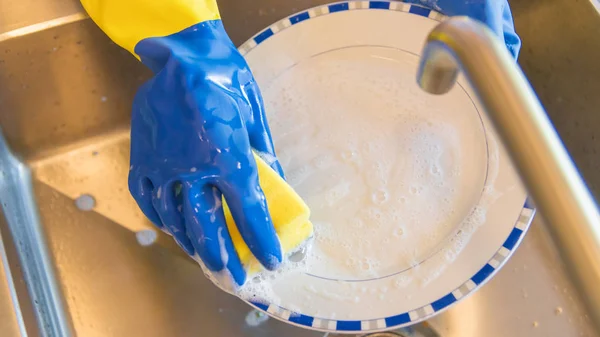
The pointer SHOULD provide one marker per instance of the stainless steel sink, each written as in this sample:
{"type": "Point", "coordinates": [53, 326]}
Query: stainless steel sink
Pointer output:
{"type": "Point", "coordinates": [65, 94]}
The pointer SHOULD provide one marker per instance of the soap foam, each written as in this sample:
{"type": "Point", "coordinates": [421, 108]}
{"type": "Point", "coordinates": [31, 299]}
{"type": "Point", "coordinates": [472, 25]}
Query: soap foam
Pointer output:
{"type": "Point", "coordinates": [394, 160]}
{"type": "Point", "coordinates": [393, 176]}
{"type": "Point", "coordinates": [260, 288]}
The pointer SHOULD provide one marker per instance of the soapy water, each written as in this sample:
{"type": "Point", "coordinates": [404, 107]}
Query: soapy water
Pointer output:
{"type": "Point", "coordinates": [373, 155]}
{"type": "Point", "coordinates": [392, 176]}
{"type": "Point", "coordinates": [261, 288]}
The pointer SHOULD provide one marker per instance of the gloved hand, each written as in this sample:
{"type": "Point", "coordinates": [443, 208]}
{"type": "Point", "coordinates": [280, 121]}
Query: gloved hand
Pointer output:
{"type": "Point", "coordinates": [494, 13]}
{"type": "Point", "coordinates": [194, 125]}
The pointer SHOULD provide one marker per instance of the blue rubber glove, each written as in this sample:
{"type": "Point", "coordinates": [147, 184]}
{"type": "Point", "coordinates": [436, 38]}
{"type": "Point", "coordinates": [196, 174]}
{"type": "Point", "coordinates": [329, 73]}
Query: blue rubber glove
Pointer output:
{"type": "Point", "coordinates": [193, 128]}
{"type": "Point", "coordinates": [494, 13]}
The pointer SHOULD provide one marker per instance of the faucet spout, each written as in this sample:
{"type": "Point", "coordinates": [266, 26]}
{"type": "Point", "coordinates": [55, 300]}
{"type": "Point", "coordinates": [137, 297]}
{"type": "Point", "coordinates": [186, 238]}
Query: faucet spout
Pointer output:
{"type": "Point", "coordinates": [535, 148]}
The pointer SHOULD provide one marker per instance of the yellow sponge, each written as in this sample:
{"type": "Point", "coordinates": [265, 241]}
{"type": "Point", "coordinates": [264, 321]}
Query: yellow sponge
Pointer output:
{"type": "Point", "coordinates": [288, 211]}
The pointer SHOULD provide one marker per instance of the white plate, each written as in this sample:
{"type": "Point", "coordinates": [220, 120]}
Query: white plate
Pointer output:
{"type": "Point", "coordinates": [439, 212]}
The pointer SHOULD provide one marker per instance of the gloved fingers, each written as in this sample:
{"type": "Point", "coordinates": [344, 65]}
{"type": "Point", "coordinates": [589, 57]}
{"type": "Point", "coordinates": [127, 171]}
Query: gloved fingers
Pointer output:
{"type": "Point", "coordinates": [511, 39]}
{"type": "Point", "coordinates": [141, 189]}
{"type": "Point", "coordinates": [248, 207]}
{"type": "Point", "coordinates": [259, 133]}
{"type": "Point", "coordinates": [494, 13]}
{"type": "Point", "coordinates": [207, 230]}
{"type": "Point", "coordinates": [499, 19]}
{"type": "Point", "coordinates": [169, 206]}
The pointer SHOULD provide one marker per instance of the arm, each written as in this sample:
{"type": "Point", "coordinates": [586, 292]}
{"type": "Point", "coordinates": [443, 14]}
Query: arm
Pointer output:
{"type": "Point", "coordinates": [127, 22]}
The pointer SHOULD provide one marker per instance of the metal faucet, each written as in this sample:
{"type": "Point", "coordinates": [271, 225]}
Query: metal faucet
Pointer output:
{"type": "Point", "coordinates": [535, 148]}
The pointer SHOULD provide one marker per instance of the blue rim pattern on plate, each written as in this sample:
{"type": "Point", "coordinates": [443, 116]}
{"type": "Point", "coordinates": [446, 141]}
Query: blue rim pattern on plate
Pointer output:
{"type": "Point", "coordinates": [333, 8]}
{"type": "Point", "coordinates": [425, 312]}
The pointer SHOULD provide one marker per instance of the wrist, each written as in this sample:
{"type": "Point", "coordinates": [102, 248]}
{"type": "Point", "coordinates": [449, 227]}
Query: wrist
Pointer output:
{"type": "Point", "coordinates": [204, 40]}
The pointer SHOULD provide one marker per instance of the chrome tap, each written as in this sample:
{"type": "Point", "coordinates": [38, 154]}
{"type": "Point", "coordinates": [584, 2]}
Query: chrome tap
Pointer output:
{"type": "Point", "coordinates": [535, 148]}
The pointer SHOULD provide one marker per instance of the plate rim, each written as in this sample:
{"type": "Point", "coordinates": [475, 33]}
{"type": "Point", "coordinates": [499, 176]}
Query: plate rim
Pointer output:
{"type": "Point", "coordinates": [461, 292]}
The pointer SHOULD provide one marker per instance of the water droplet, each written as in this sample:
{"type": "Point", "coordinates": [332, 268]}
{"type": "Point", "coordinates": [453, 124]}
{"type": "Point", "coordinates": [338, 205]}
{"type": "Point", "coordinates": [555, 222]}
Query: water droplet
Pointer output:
{"type": "Point", "coordinates": [146, 237]}
{"type": "Point", "coordinates": [298, 256]}
{"type": "Point", "coordinates": [380, 196]}
{"type": "Point", "coordinates": [85, 202]}
{"type": "Point", "coordinates": [348, 155]}
{"type": "Point", "coordinates": [398, 232]}
{"type": "Point", "coordinates": [256, 318]}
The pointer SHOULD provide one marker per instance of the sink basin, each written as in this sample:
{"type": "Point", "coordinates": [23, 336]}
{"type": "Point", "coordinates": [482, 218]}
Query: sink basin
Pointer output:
{"type": "Point", "coordinates": [65, 95]}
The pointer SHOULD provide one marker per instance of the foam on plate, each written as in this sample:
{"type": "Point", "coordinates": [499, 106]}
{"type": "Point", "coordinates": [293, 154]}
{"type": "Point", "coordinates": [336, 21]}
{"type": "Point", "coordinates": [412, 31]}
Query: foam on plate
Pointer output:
{"type": "Point", "coordinates": [391, 174]}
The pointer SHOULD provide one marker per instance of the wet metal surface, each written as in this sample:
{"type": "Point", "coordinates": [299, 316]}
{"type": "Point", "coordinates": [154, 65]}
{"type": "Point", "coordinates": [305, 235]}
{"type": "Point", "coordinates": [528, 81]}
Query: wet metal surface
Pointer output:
{"type": "Point", "coordinates": [76, 87]}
